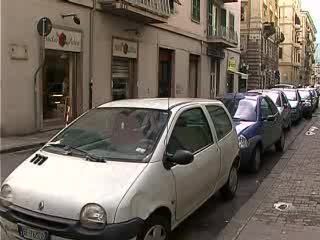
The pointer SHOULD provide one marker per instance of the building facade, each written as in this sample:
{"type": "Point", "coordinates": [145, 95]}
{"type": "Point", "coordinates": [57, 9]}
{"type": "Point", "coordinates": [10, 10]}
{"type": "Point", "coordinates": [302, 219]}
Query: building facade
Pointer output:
{"type": "Point", "coordinates": [260, 38]}
{"type": "Point", "coordinates": [308, 40]}
{"type": "Point", "coordinates": [290, 51]}
{"type": "Point", "coordinates": [104, 50]}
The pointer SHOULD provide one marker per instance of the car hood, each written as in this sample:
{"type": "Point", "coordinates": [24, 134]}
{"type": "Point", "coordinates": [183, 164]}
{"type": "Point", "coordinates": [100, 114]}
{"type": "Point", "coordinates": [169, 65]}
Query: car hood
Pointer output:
{"type": "Point", "coordinates": [294, 104]}
{"type": "Point", "coordinates": [242, 125]}
{"type": "Point", "coordinates": [66, 184]}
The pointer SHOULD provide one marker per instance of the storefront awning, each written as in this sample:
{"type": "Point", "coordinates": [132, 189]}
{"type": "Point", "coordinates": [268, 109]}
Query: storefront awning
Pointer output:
{"type": "Point", "coordinates": [242, 75]}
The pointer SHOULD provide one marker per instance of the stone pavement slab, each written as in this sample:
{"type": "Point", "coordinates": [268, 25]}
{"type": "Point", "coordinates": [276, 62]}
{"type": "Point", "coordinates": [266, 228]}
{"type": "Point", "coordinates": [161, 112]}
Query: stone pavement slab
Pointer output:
{"type": "Point", "coordinates": [17, 143]}
{"type": "Point", "coordinates": [295, 180]}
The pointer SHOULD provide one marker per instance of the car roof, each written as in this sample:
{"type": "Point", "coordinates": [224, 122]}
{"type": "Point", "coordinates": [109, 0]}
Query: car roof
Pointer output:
{"type": "Point", "coordinates": [261, 91]}
{"type": "Point", "coordinates": [286, 89]}
{"type": "Point", "coordinates": [156, 103]}
{"type": "Point", "coordinates": [247, 95]}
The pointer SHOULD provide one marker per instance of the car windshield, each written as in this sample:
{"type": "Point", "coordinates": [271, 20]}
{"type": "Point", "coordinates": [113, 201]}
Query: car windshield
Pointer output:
{"type": "Point", "coordinates": [291, 95]}
{"type": "Point", "coordinates": [242, 109]}
{"type": "Point", "coordinates": [305, 95]}
{"type": "Point", "coordinates": [275, 97]}
{"type": "Point", "coordinates": [123, 134]}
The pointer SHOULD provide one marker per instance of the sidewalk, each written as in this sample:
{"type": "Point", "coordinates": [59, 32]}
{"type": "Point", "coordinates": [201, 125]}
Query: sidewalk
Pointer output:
{"type": "Point", "coordinates": [294, 184]}
{"type": "Point", "coordinates": [18, 143]}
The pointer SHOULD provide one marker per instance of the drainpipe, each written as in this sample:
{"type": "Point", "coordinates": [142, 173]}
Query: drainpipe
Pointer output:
{"type": "Point", "coordinates": [92, 13]}
{"type": "Point", "coordinates": [42, 50]}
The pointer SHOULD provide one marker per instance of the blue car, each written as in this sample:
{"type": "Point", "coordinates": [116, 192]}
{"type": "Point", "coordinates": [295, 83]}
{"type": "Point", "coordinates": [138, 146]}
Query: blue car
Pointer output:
{"type": "Point", "coordinates": [258, 124]}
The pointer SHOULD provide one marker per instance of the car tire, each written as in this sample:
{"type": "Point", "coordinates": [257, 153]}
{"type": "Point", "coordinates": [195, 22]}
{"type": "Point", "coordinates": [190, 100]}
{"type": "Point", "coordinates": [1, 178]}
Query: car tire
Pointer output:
{"type": "Point", "coordinates": [156, 227]}
{"type": "Point", "coordinates": [280, 144]}
{"type": "Point", "coordinates": [256, 160]}
{"type": "Point", "coordinates": [228, 191]}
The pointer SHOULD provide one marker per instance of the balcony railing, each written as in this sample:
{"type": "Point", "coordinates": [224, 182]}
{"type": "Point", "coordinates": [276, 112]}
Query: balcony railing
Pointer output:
{"type": "Point", "coordinates": [224, 36]}
{"type": "Point", "coordinates": [152, 10]}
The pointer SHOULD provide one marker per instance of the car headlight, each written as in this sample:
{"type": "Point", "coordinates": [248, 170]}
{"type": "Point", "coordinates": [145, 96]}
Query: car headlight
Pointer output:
{"type": "Point", "coordinates": [6, 196]}
{"type": "Point", "coordinates": [93, 216]}
{"type": "Point", "coordinates": [243, 142]}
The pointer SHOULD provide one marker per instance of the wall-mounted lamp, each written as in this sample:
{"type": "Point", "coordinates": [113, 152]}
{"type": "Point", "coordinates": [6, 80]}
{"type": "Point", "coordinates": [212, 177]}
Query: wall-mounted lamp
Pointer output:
{"type": "Point", "coordinates": [74, 16]}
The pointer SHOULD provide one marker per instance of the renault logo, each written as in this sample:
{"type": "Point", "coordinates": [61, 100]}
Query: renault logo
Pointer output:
{"type": "Point", "coordinates": [41, 205]}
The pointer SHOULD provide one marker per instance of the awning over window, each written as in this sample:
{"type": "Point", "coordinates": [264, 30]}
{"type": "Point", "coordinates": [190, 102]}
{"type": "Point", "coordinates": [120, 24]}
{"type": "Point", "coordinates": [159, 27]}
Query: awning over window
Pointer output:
{"type": "Point", "coordinates": [242, 75]}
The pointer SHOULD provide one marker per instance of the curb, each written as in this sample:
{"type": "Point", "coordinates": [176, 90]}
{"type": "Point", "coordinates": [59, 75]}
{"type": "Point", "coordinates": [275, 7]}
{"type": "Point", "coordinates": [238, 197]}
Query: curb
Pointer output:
{"type": "Point", "coordinates": [245, 213]}
{"type": "Point", "coordinates": [22, 147]}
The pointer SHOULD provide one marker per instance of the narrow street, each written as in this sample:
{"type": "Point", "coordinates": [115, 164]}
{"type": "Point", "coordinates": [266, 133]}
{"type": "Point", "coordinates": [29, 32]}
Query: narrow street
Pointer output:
{"type": "Point", "coordinates": [210, 219]}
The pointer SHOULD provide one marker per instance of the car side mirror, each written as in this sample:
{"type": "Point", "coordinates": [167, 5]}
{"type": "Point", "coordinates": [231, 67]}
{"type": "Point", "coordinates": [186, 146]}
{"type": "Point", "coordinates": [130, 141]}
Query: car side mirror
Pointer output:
{"type": "Point", "coordinates": [271, 118]}
{"type": "Point", "coordinates": [181, 157]}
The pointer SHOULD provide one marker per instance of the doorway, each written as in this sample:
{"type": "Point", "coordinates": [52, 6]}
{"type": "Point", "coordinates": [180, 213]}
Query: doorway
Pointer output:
{"type": "Point", "coordinates": [165, 73]}
{"type": "Point", "coordinates": [193, 75]}
{"type": "Point", "coordinates": [215, 78]}
{"type": "Point", "coordinates": [230, 82]}
{"type": "Point", "coordinates": [123, 78]}
{"type": "Point", "coordinates": [59, 88]}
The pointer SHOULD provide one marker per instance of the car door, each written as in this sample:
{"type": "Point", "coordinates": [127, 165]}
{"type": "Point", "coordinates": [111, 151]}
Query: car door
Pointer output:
{"type": "Point", "coordinates": [196, 181]}
{"type": "Point", "coordinates": [286, 108]}
{"type": "Point", "coordinates": [265, 111]}
{"type": "Point", "coordinates": [226, 141]}
{"type": "Point", "coordinates": [277, 123]}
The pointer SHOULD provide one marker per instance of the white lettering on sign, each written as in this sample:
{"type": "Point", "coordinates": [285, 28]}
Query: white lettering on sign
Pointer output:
{"type": "Point", "coordinates": [124, 48]}
{"type": "Point", "coordinates": [60, 39]}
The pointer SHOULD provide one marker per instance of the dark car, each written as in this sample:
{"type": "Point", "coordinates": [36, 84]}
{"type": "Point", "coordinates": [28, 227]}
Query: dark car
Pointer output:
{"type": "Point", "coordinates": [295, 102]}
{"type": "Point", "coordinates": [282, 103]}
{"type": "Point", "coordinates": [258, 124]}
{"type": "Point", "coordinates": [307, 102]}
{"type": "Point", "coordinates": [315, 98]}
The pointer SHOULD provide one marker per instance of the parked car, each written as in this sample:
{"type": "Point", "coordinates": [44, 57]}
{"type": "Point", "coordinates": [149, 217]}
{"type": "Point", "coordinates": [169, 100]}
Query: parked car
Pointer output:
{"type": "Point", "coordinates": [315, 98]}
{"type": "Point", "coordinates": [129, 169]}
{"type": "Point", "coordinates": [258, 124]}
{"type": "Point", "coordinates": [295, 102]}
{"type": "Point", "coordinates": [284, 86]}
{"type": "Point", "coordinates": [307, 102]}
{"type": "Point", "coordinates": [282, 103]}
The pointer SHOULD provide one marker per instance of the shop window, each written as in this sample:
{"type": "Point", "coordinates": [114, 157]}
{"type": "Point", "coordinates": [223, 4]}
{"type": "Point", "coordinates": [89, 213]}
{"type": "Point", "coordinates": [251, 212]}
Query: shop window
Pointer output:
{"type": "Point", "coordinates": [196, 10]}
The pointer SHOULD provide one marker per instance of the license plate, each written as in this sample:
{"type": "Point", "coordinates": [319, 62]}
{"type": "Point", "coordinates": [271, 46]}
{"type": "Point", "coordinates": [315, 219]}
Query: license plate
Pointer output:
{"type": "Point", "coordinates": [32, 234]}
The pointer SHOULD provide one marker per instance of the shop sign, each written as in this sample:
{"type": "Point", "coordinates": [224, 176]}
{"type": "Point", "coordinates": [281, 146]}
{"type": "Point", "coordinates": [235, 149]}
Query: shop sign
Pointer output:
{"type": "Point", "coordinates": [216, 53]}
{"type": "Point", "coordinates": [124, 48]}
{"type": "Point", "coordinates": [232, 64]}
{"type": "Point", "coordinates": [64, 40]}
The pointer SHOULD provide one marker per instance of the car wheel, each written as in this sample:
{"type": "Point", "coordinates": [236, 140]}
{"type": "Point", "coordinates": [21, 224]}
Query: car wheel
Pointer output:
{"type": "Point", "coordinates": [256, 160]}
{"type": "Point", "coordinates": [229, 190]}
{"type": "Point", "coordinates": [280, 144]}
{"type": "Point", "coordinates": [156, 228]}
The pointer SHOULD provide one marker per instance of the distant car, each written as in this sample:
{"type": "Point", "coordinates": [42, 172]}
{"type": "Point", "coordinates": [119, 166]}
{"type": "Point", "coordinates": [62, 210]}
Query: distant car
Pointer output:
{"type": "Point", "coordinates": [282, 103]}
{"type": "Point", "coordinates": [307, 102]}
{"type": "Point", "coordinates": [128, 169]}
{"type": "Point", "coordinates": [282, 85]}
{"type": "Point", "coordinates": [295, 102]}
{"type": "Point", "coordinates": [258, 124]}
{"type": "Point", "coordinates": [315, 98]}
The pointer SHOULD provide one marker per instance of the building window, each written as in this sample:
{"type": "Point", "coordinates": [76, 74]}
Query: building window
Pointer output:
{"type": "Point", "coordinates": [299, 57]}
{"type": "Point", "coordinates": [265, 11]}
{"type": "Point", "coordinates": [280, 53]}
{"type": "Point", "coordinates": [196, 10]}
{"type": "Point", "coordinates": [231, 22]}
{"type": "Point", "coordinates": [243, 14]}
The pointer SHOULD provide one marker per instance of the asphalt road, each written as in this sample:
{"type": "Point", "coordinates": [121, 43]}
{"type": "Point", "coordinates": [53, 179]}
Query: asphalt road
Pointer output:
{"type": "Point", "coordinates": [214, 215]}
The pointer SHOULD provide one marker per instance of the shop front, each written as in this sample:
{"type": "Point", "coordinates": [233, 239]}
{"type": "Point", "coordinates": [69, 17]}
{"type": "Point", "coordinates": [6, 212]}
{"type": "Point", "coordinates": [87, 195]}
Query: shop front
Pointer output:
{"type": "Point", "coordinates": [61, 85]}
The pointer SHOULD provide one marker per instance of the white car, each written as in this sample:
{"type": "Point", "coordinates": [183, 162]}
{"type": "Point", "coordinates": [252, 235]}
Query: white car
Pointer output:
{"type": "Point", "coordinates": [129, 169]}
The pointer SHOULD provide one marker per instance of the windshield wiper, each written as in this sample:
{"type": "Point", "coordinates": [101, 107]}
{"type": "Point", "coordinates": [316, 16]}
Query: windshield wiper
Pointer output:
{"type": "Point", "coordinates": [69, 149]}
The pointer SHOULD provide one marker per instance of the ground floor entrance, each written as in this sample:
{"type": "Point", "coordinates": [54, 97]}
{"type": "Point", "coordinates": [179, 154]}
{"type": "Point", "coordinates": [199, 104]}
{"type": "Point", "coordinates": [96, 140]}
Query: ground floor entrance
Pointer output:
{"type": "Point", "coordinates": [59, 88]}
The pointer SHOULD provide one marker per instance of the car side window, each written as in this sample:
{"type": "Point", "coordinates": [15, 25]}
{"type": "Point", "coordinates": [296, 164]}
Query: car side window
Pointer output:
{"type": "Point", "coordinates": [191, 132]}
{"type": "Point", "coordinates": [284, 99]}
{"type": "Point", "coordinates": [220, 120]}
{"type": "Point", "coordinates": [273, 107]}
{"type": "Point", "coordinates": [265, 108]}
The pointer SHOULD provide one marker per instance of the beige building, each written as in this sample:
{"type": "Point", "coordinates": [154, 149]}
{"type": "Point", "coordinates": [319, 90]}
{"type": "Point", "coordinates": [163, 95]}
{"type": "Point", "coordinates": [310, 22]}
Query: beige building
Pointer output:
{"type": "Point", "coordinates": [307, 38]}
{"type": "Point", "coordinates": [291, 49]}
{"type": "Point", "coordinates": [260, 38]}
{"type": "Point", "coordinates": [105, 50]}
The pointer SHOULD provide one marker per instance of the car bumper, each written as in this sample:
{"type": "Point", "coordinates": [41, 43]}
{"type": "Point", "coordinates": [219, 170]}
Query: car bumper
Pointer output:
{"type": "Point", "coordinates": [68, 229]}
{"type": "Point", "coordinates": [295, 115]}
{"type": "Point", "coordinates": [246, 156]}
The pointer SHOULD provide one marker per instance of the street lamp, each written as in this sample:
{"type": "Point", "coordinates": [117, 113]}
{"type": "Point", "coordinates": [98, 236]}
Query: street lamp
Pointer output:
{"type": "Point", "coordinates": [74, 16]}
